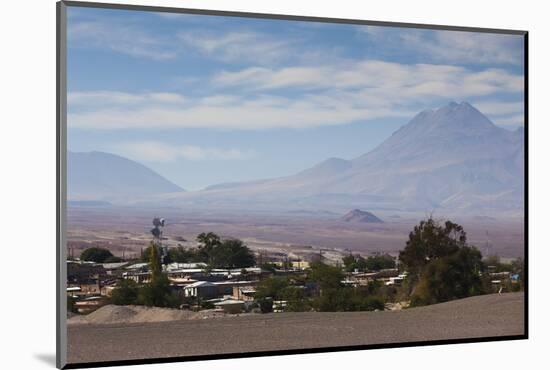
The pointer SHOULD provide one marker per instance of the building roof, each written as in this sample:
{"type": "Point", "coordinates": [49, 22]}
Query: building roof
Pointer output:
{"type": "Point", "coordinates": [136, 266]}
{"type": "Point", "coordinates": [181, 266]}
{"type": "Point", "coordinates": [229, 302]}
{"type": "Point", "coordinates": [114, 265]}
{"type": "Point", "coordinates": [200, 284]}
{"type": "Point", "coordinates": [235, 282]}
{"type": "Point", "coordinates": [184, 271]}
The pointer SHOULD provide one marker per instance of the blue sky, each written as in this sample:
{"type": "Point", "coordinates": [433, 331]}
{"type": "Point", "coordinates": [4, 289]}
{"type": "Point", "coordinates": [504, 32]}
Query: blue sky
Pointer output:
{"type": "Point", "coordinates": [205, 100]}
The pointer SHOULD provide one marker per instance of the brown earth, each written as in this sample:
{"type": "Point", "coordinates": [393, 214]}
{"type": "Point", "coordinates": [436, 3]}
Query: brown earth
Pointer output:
{"type": "Point", "coordinates": [475, 317]}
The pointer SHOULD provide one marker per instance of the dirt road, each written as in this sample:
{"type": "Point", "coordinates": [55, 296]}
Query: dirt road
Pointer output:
{"type": "Point", "coordinates": [492, 315]}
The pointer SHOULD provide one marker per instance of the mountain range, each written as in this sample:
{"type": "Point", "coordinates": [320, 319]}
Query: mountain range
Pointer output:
{"type": "Point", "coordinates": [451, 158]}
{"type": "Point", "coordinates": [102, 176]}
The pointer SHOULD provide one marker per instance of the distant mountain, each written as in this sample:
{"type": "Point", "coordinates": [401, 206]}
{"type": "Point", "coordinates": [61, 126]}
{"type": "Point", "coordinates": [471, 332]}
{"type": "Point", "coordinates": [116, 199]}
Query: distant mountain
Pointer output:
{"type": "Point", "coordinates": [357, 215]}
{"type": "Point", "coordinates": [98, 176]}
{"type": "Point", "coordinates": [451, 158]}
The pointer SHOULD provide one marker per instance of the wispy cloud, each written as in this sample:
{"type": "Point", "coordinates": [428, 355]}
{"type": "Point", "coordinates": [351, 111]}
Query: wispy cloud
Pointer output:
{"type": "Point", "coordinates": [503, 113]}
{"type": "Point", "coordinates": [244, 46]}
{"type": "Point", "coordinates": [515, 120]}
{"type": "Point", "coordinates": [119, 37]}
{"type": "Point", "coordinates": [311, 96]}
{"type": "Point", "coordinates": [378, 76]}
{"type": "Point", "coordinates": [455, 47]}
{"type": "Point", "coordinates": [227, 112]}
{"type": "Point", "coordinates": [500, 107]}
{"type": "Point", "coordinates": [156, 151]}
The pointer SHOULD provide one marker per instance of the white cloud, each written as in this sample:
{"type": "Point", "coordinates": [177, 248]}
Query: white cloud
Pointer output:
{"type": "Point", "coordinates": [155, 151]}
{"type": "Point", "coordinates": [502, 113]}
{"type": "Point", "coordinates": [514, 120]}
{"type": "Point", "coordinates": [245, 46]}
{"type": "Point", "coordinates": [455, 47]}
{"type": "Point", "coordinates": [230, 112]}
{"type": "Point", "coordinates": [500, 108]}
{"type": "Point", "coordinates": [325, 95]}
{"type": "Point", "coordinates": [379, 77]}
{"type": "Point", "coordinates": [332, 94]}
{"type": "Point", "coordinates": [119, 37]}
{"type": "Point", "coordinates": [118, 98]}
{"type": "Point", "coordinates": [134, 40]}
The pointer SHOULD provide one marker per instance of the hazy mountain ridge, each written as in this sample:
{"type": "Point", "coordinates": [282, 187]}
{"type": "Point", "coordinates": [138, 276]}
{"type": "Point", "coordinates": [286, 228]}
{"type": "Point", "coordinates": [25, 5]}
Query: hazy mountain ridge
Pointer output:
{"type": "Point", "coordinates": [104, 176]}
{"type": "Point", "coordinates": [451, 157]}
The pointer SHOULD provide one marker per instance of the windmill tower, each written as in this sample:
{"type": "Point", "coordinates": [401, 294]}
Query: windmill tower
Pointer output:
{"type": "Point", "coordinates": [157, 231]}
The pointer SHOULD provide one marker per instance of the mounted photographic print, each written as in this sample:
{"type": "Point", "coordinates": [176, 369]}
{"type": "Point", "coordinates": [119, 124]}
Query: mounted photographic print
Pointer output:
{"type": "Point", "coordinates": [235, 184]}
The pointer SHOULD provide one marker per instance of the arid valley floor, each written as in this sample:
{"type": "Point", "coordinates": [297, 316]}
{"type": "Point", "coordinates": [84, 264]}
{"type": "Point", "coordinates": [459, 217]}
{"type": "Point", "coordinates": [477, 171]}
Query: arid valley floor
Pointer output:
{"type": "Point", "coordinates": [298, 234]}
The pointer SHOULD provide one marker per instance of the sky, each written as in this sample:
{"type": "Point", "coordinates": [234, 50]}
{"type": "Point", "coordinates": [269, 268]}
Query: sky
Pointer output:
{"type": "Point", "coordinates": [204, 100]}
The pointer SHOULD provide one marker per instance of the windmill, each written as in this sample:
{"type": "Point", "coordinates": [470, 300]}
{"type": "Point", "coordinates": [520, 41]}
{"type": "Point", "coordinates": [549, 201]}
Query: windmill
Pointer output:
{"type": "Point", "coordinates": [157, 231]}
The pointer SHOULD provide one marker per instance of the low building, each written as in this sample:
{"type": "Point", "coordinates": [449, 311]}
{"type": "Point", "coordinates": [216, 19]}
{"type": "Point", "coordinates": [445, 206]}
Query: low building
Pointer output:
{"type": "Point", "coordinates": [89, 304]}
{"type": "Point", "coordinates": [231, 306]}
{"type": "Point", "coordinates": [137, 276]}
{"type": "Point", "coordinates": [182, 266]}
{"type": "Point", "coordinates": [226, 288]}
{"type": "Point", "coordinates": [115, 269]}
{"type": "Point", "coordinates": [244, 293]}
{"type": "Point", "coordinates": [201, 289]}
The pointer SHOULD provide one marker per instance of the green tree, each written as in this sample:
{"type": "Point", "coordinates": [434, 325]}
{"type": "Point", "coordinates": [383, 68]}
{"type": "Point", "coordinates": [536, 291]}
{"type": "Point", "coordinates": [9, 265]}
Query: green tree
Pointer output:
{"type": "Point", "coordinates": [450, 277]}
{"type": "Point", "coordinates": [428, 241]}
{"type": "Point", "coordinates": [440, 263]}
{"type": "Point", "coordinates": [158, 293]}
{"type": "Point", "coordinates": [271, 267]}
{"type": "Point", "coordinates": [231, 253]}
{"type": "Point", "coordinates": [154, 261]}
{"type": "Point", "coordinates": [95, 254]}
{"type": "Point", "coordinates": [380, 262]}
{"type": "Point", "coordinates": [207, 243]}
{"type": "Point", "coordinates": [125, 293]}
{"type": "Point", "coordinates": [347, 299]}
{"type": "Point", "coordinates": [350, 262]}
{"type": "Point", "coordinates": [326, 276]}
{"type": "Point", "coordinates": [183, 255]}
{"type": "Point", "coordinates": [272, 287]}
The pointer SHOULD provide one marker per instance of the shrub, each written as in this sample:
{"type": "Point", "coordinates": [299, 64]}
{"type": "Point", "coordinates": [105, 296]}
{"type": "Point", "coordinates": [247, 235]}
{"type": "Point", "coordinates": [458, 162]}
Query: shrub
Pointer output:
{"type": "Point", "coordinates": [125, 293]}
{"type": "Point", "coordinates": [95, 254]}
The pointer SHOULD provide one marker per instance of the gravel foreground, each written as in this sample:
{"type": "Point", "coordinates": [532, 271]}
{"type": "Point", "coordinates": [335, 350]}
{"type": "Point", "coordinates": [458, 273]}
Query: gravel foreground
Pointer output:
{"type": "Point", "coordinates": [474, 317]}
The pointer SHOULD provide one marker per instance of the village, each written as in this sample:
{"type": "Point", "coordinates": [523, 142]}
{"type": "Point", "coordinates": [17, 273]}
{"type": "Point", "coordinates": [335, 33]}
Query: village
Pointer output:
{"type": "Point", "coordinates": [228, 285]}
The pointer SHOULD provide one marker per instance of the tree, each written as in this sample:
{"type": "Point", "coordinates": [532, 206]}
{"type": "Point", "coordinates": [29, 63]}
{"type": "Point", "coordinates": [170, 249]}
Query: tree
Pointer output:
{"type": "Point", "coordinates": [347, 299]}
{"type": "Point", "coordinates": [95, 254]}
{"type": "Point", "coordinates": [231, 253]}
{"type": "Point", "coordinates": [326, 276]}
{"type": "Point", "coordinates": [158, 293]}
{"type": "Point", "coordinates": [125, 293]}
{"type": "Point", "coordinates": [440, 263]}
{"type": "Point", "coordinates": [450, 277]}
{"type": "Point", "coordinates": [380, 262]}
{"type": "Point", "coordinates": [183, 255]}
{"type": "Point", "coordinates": [428, 241]}
{"type": "Point", "coordinates": [272, 287]}
{"type": "Point", "coordinates": [207, 243]}
{"type": "Point", "coordinates": [154, 261]}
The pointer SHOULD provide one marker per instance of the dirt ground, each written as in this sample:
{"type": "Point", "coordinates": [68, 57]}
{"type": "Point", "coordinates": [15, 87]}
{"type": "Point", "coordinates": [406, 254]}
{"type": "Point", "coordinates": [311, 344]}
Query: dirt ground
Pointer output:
{"type": "Point", "coordinates": [482, 316]}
